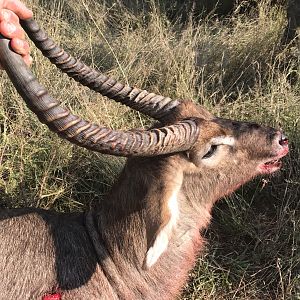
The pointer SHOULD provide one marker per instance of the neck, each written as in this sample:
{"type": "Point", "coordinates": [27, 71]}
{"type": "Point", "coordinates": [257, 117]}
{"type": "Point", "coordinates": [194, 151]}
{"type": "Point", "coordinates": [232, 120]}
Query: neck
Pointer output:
{"type": "Point", "coordinates": [122, 225]}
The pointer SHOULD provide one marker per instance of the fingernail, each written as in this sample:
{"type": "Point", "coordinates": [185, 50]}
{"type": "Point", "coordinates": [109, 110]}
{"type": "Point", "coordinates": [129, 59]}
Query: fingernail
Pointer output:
{"type": "Point", "coordinates": [20, 43]}
{"type": "Point", "coordinates": [5, 15]}
{"type": "Point", "coordinates": [17, 42]}
{"type": "Point", "coordinates": [10, 28]}
{"type": "Point", "coordinates": [28, 60]}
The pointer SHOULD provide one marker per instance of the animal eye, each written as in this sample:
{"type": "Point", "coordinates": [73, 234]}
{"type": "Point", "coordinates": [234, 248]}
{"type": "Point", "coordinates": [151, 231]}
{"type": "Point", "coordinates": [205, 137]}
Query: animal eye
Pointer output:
{"type": "Point", "coordinates": [211, 151]}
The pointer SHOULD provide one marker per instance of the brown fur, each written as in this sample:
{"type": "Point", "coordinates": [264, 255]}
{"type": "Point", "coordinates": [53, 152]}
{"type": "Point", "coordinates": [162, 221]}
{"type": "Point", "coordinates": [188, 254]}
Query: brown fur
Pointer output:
{"type": "Point", "coordinates": [100, 254]}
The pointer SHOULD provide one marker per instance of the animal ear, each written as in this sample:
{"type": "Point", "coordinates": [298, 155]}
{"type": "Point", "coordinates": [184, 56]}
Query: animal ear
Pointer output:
{"type": "Point", "coordinates": [162, 214]}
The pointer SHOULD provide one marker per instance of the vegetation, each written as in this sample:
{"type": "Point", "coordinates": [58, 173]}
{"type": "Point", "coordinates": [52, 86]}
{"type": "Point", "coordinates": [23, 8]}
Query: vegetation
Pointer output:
{"type": "Point", "coordinates": [236, 67]}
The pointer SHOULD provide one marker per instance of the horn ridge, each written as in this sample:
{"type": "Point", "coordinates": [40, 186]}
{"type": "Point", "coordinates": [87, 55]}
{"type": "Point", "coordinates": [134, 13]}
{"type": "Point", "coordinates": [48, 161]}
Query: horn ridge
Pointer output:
{"type": "Point", "coordinates": [94, 137]}
{"type": "Point", "coordinates": [75, 69]}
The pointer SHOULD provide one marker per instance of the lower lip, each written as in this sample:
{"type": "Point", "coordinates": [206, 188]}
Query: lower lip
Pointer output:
{"type": "Point", "coordinates": [270, 168]}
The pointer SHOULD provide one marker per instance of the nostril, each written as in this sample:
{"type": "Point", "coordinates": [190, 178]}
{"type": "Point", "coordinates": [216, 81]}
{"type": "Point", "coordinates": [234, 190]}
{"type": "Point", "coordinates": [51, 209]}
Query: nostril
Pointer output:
{"type": "Point", "coordinates": [283, 140]}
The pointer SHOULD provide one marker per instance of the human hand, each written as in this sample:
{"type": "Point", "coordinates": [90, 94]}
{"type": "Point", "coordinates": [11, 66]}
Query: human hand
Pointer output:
{"type": "Point", "coordinates": [10, 13]}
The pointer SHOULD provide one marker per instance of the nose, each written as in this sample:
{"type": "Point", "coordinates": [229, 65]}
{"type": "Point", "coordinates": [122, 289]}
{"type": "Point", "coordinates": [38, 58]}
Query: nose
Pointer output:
{"type": "Point", "coordinates": [283, 140]}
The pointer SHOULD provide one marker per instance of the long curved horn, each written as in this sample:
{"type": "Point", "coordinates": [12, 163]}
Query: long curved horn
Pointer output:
{"type": "Point", "coordinates": [155, 106]}
{"type": "Point", "coordinates": [174, 138]}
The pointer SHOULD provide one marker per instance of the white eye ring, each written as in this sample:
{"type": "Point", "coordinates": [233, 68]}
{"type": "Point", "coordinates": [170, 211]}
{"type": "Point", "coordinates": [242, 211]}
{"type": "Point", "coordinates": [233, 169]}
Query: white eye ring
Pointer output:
{"type": "Point", "coordinates": [223, 140]}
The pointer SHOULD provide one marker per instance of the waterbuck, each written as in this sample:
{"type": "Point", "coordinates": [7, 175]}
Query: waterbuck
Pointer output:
{"type": "Point", "coordinates": [141, 241]}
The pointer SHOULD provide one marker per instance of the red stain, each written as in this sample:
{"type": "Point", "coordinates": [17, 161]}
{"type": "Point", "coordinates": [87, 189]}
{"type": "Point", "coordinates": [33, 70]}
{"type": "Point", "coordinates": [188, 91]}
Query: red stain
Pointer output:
{"type": "Point", "coordinates": [52, 297]}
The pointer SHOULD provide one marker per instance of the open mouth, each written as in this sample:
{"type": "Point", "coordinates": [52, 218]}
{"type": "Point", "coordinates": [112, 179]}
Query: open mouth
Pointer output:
{"type": "Point", "coordinates": [275, 164]}
{"type": "Point", "coordinates": [271, 166]}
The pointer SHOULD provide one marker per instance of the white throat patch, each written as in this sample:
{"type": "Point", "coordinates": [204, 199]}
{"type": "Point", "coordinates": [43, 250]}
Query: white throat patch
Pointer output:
{"type": "Point", "coordinates": [162, 240]}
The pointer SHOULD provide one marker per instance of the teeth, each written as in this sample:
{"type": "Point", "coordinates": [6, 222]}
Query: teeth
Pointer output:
{"type": "Point", "coordinates": [272, 162]}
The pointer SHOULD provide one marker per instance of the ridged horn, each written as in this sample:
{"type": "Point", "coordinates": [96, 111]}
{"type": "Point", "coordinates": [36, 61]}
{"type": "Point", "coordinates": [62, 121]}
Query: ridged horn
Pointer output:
{"type": "Point", "coordinates": [155, 106]}
{"type": "Point", "coordinates": [169, 139]}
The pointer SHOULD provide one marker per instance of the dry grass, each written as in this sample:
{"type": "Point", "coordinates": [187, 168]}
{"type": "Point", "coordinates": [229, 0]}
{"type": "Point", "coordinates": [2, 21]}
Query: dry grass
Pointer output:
{"type": "Point", "coordinates": [236, 68]}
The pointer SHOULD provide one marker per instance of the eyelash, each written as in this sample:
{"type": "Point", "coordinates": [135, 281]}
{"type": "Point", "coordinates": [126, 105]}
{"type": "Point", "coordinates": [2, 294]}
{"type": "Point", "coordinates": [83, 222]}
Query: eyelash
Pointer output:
{"type": "Point", "coordinates": [210, 152]}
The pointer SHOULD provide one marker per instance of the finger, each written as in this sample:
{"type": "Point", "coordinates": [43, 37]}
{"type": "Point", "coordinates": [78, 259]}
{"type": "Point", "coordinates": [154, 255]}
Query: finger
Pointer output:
{"type": "Point", "coordinates": [18, 8]}
{"type": "Point", "coordinates": [28, 59]}
{"type": "Point", "coordinates": [11, 30]}
{"type": "Point", "coordinates": [8, 16]}
{"type": "Point", "coordinates": [20, 46]}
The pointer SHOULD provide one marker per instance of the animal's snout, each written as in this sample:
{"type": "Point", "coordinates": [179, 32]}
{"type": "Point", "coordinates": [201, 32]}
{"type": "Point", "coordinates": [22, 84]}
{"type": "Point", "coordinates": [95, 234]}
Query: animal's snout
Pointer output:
{"type": "Point", "coordinates": [283, 140]}
{"type": "Point", "coordinates": [282, 144]}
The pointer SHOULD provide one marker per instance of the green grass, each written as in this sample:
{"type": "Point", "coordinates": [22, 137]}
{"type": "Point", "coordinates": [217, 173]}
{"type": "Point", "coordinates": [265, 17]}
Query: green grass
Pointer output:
{"type": "Point", "coordinates": [237, 68]}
